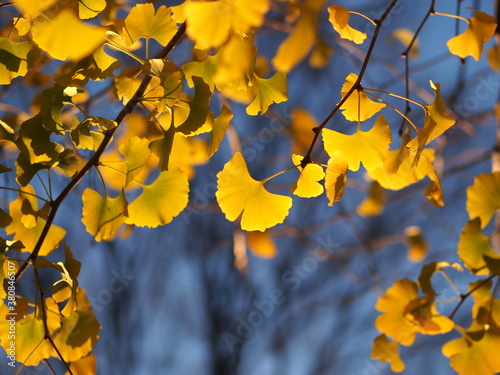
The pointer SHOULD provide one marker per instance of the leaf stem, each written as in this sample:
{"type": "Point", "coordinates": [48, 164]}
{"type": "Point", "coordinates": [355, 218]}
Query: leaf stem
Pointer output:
{"type": "Point", "coordinates": [364, 16]}
{"type": "Point", "coordinates": [277, 174]}
{"type": "Point", "coordinates": [463, 297]}
{"type": "Point", "coordinates": [451, 16]}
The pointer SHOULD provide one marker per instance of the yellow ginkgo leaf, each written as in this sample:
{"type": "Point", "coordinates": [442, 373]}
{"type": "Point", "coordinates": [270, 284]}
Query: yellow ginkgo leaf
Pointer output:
{"type": "Point", "coordinates": [17, 58]}
{"type": "Point", "coordinates": [405, 314]}
{"type": "Point", "coordinates": [261, 244]}
{"type": "Point", "coordinates": [161, 201]}
{"type": "Point", "coordinates": [205, 69]}
{"type": "Point", "coordinates": [307, 186]}
{"type": "Point", "coordinates": [387, 351]}
{"type": "Point", "coordinates": [300, 41]}
{"type": "Point", "coordinates": [339, 18]}
{"type": "Point", "coordinates": [358, 106]}
{"type": "Point", "coordinates": [437, 121]}
{"type": "Point", "coordinates": [219, 130]}
{"type": "Point", "coordinates": [33, 8]}
{"type": "Point", "coordinates": [469, 357]}
{"type": "Point", "coordinates": [483, 197]}
{"type": "Point", "coordinates": [103, 216]}
{"type": "Point", "coordinates": [136, 153]}
{"type": "Point", "coordinates": [30, 343]}
{"type": "Point", "coordinates": [369, 148]}
{"type": "Point", "coordinates": [67, 37]}
{"type": "Point", "coordinates": [90, 8]}
{"type": "Point", "coordinates": [84, 366]}
{"type": "Point", "coordinates": [144, 22]}
{"type": "Point", "coordinates": [270, 90]}
{"type": "Point", "coordinates": [209, 23]}
{"type": "Point", "coordinates": [239, 194]}
{"type": "Point", "coordinates": [493, 56]}
{"type": "Point", "coordinates": [301, 127]}
{"type": "Point", "coordinates": [374, 202]}
{"type": "Point", "coordinates": [335, 177]}
{"type": "Point", "coordinates": [473, 246]}
{"type": "Point", "coordinates": [470, 43]}
{"type": "Point", "coordinates": [29, 235]}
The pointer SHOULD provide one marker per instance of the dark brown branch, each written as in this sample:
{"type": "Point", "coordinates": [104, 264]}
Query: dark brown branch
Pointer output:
{"type": "Point", "coordinates": [355, 86]}
{"type": "Point", "coordinates": [108, 135]}
{"type": "Point", "coordinates": [463, 297]}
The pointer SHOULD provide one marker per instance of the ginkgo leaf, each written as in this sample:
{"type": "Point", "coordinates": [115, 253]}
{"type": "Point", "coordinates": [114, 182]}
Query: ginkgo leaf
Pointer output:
{"type": "Point", "coordinates": [469, 357]}
{"type": "Point", "coordinates": [307, 186]}
{"type": "Point", "coordinates": [387, 351]}
{"type": "Point", "coordinates": [424, 279]}
{"type": "Point", "coordinates": [358, 106]}
{"type": "Point", "coordinates": [29, 236]}
{"type": "Point", "coordinates": [162, 148]}
{"type": "Point", "coordinates": [484, 302]}
{"type": "Point", "coordinates": [339, 18]}
{"type": "Point", "coordinates": [198, 107]}
{"type": "Point", "coordinates": [473, 246]}
{"type": "Point", "coordinates": [33, 8]}
{"type": "Point", "coordinates": [470, 43]}
{"type": "Point", "coordinates": [417, 246]}
{"type": "Point", "coordinates": [493, 56]}
{"type": "Point", "coordinates": [369, 148]}
{"type": "Point", "coordinates": [374, 202]}
{"type": "Point", "coordinates": [161, 201]}
{"type": "Point", "coordinates": [67, 162]}
{"type": "Point", "coordinates": [219, 130]}
{"type": "Point", "coordinates": [210, 23]}
{"type": "Point", "coordinates": [34, 141]}
{"type": "Point", "coordinates": [16, 59]}
{"type": "Point", "coordinates": [205, 69]}
{"type": "Point", "coordinates": [84, 366]}
{"type": "Point", "coordinates": [144, 22]}
{"type": "Point", "coordinates": [405, 175]}
{"type": "Point", "coordinates": [335, 177]}
{"type": "Point", "coordinates": [483, 197]}
{"type": "Point", "coordinates": [392, 304]}
{"type": "Point", "coordinates": [79, 331]}
{"type": "Point", "coordinates": [300, 41]}
{"type": "Point", "coordinates": [437, 121]}
{"type": "Point", "coordinates": [84, 137]}
{"type": "Point", "coordinates": [270, 90]}
{"type": "Point", "coordinates": [90, 8]}
{"type": "Point", "coordinates": [239, 194]}
{"type": "Point", "coordinates": [103, 216]}
{"type": "Point", "coordinates": [67, 37]}
{"type": "Point", "coordinates": [136, 153]}
{"type": "Point", "coordinates": [5, 219]}
{"type": "Point", "coordinates": [320, 55]}
{"type": "Point", "coordinates": [261, 244]}
{"type": "Point", "coordinates": [422, 315]}
{"type": "Point", "coordinates": [31, 345]}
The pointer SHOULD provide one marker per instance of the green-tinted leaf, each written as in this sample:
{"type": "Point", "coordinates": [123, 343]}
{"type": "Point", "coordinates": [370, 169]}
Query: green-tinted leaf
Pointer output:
{"type": "Point", "coordinates": [163, 147]}
{"type": "Point", "coordinates": [103, 216]}
{"type": "Point", "coordinates": [68, 162]}
{"type": "Point", "coordinates": [5, 219]}
{"type": "Point", "coordinates": [15, 59]}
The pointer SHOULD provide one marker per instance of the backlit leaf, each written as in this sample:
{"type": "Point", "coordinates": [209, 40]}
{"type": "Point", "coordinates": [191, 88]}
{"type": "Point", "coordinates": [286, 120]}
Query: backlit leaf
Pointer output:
{"type": "Point", "coordinates": [369, 148]}
{"type": "Point", "coordinates": [84, 366]}
{"type": "Point", "coordinates": [103, 216]}
{"type": "Point", "coordinates": [162, 148]}
{"type": "Point", "coordinates": [144, 22]}
{"type": "Point", "coordinates": [297, 45]}
{"type": "Point", "coordinates": [470, 357]}
{"type": "Point", "coordinates": [34, 142]}
{"type": "Point", "coordinates": [470, 43]}
{"type": "Point", "coordinates": [261, 244]}
{"type": "Point", "coordinates": [473, 246]}
{"type": "Point", "coordinates": [136, 153]}
{"type": "Point", "coordinates": [387, 351]}
{"type": "Point", "coordinates": [33, 8]}
{"type": "Point", "coordinates": [15, 59]}
{"type": "Point", "coordinates": [483, 197]}
{"type": "Point", "coordinates": [358, 107]}
{"type": "Point", "coordinates": [219, 130]}
{"type": "Point", "coordinates": [335, 177]}
{"type": "Point", "coordinates": [239, 194]}
{"type": "Point", "coordinates": [84, 137]}
{"type": "Point", "coordinates": [308, 186]}
{"type": "Point", "coordinates": [270, 90]}
{"type": "Point", "coordinates": [339, 18]}
{"type": "Point", "coordinates": [67, 37]}
{"type": "Point", "coordinates": [29, 236]}
{"type": "Point", "coordinates": [161, 201]}
{"type": "Point", "coordinates": [198, 107]}
{"type": "Point", "coordinates": [437, 121]}
{"type": "Point", "coordinates": [90, 8]}
{"type": "Point", "coordinates": [301, 127]}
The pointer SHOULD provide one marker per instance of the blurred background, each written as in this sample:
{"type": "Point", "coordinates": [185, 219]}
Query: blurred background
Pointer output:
{"type": "Point", "coordinates": [194, 298]}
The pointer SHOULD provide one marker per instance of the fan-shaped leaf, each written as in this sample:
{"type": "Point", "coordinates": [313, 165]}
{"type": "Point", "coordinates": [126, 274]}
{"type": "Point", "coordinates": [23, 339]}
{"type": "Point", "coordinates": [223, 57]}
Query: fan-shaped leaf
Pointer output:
{"type": "Point", "coordinates": [483, 197]}
{"type": "Point", "coordinates": [339, 18]}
